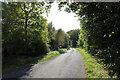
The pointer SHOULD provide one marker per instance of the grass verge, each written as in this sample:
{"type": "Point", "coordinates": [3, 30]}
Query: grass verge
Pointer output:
{"type": "Point", "coordinates": [14, 62]}
{"type": "Point", "coordinates": [62, 50]}
{"type": "Point", "coordinates": [49, 55]}
{"type": "Point", "coordinates": [94, 69]}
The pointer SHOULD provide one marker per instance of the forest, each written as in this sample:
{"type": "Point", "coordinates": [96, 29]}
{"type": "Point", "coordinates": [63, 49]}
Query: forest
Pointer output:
{"type": "Point", "coordinates": [25, 31]}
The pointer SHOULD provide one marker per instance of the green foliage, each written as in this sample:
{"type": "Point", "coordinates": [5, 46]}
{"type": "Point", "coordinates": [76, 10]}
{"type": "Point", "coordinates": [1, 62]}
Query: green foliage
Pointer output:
{"type": "Point", "coordinates": [17, 62]}
{"type": "Point", "coordinates": [100, 30]}
{"type": "Point", "coordinates": [24, 29]}
{"type": "Point", "coordinates": [94, 69]}
{"type": "Point", "coordinates": [62, 50]}
{"type": "Point", "coordinates": [74, 36]}
{"type": "Point", "coordinates": [49, 55]}
{"type": "Point", "coordinates": [52, 36]}
{"type": "Point", "coordinates": [82, 39]}
{"type": "Point", "coordinates": [102, 37]}
{"type": "Point", "coordinates": [66, 41]}
{"type": "Point", "coordinates": [58, 38]}
{"type": "Point", "coordinates": [62, 39]}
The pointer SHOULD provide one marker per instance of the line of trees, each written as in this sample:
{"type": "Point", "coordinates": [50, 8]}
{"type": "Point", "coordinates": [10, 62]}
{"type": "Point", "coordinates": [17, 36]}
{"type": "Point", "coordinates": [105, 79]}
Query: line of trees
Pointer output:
{"type": "Point", "coordinates": [100, 31]}
{"type": "Point", "coordinates": [24, 28]}
{"type": "Point", "coordinates": [58, 38]}
{"type": "Point", "coordinates": [26, 32]}
{"type": "Point", "coordinates": [74, 36]}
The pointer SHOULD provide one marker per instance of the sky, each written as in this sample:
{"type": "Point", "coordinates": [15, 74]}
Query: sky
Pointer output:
{"type": "Point", "coordinates": [61, 19]}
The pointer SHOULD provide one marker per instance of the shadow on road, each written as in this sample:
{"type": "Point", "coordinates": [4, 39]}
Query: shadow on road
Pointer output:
{"type": "Point", "coordinates": [17, 73]}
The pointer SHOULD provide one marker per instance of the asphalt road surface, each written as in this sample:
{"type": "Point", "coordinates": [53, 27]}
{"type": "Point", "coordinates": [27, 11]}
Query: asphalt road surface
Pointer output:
{"type": "Point", "coordinates": [66, 65]}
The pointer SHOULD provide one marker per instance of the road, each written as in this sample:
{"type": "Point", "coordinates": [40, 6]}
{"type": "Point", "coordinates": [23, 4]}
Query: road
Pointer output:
{"type": "Point", "coordinates": [66, 65]}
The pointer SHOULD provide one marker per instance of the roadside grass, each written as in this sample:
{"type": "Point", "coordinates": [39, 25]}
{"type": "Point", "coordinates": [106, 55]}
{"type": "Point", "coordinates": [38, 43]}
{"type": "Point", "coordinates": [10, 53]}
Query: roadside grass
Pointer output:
{"type": "Point", "coordinates": [62, 50]}
{"type": "Point", "coordinates": [14, 62]}
{"type": "Point", "coordinates": [48, 56]}
{"type": "Point", "coordinates": [93, 66]}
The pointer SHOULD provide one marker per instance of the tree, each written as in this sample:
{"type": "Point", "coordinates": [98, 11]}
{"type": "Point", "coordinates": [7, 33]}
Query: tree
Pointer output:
{"type": "Point", "coordinates": [74, 36]}
{"type": "Point", "coordinates": [60, 38]}
{"type": "Point", "coordinates": [24, 29]}
{"type": "Point", "coordinates": [52, 35]}
{"type": "Point", "coordinates": [100, 30]}
{"type": "Point", "coordinates": [67, 41]}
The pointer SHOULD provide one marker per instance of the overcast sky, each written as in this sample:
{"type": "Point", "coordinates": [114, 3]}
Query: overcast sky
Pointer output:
{"type": "Point", "coordinates": [61, 19]}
